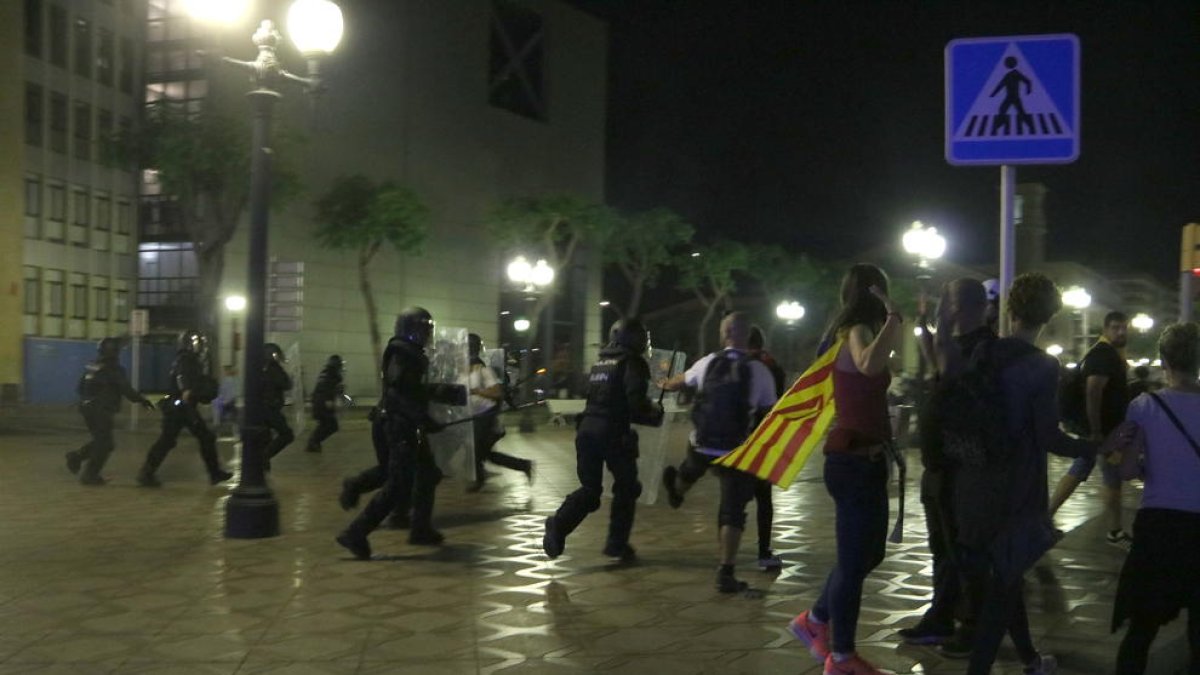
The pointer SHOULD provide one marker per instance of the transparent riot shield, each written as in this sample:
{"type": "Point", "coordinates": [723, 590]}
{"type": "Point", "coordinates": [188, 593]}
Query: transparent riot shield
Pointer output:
{"type": "Point", "coordinates": [298, 396]}
{"type": "Point", "coordinates": [449, 363]}
{"type": "Point", "coordinates": [497, 360]}
{"type": "Point", "coordinates": [654, 443]}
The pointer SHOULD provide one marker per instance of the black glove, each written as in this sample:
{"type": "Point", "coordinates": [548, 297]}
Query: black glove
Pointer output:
{"type": "Point", "coordinates": [656, 419]}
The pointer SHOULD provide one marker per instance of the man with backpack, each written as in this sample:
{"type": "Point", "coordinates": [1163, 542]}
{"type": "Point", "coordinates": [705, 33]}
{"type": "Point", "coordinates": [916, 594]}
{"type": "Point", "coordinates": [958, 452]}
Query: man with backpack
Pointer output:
{"type": "Point", "coordinates": [734, 392]}
{"type": "Point", "coordinates": [962, 327]}
{"type": "Point", "coordinates": [1093, 402]}
{"type": "Point", "coordinates": [100, 390]}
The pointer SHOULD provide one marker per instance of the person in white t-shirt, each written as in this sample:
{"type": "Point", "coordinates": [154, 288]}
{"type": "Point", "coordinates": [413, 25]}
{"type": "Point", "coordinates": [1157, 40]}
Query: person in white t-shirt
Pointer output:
{"type": "Point", "coordinates": [734, 391]}
{"type": "Point", "coordinates": [486, 396]}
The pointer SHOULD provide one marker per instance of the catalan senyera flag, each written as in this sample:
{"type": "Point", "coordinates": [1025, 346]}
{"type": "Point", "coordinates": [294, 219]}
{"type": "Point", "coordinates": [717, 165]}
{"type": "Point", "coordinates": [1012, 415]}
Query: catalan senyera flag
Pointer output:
{"type": "Point", "coordinates": [783, 441]}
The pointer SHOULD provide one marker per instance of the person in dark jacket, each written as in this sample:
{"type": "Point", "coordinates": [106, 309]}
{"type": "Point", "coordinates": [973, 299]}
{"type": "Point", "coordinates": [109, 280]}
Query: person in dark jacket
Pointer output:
{"type": "Point", "coordinates": [100, 390]}
{"type": "Point", "coordinates": [404, 418]}
{"type": "Point", "coordinates": [275, 385]}
{"type": "Point", "coordinates": [329, 390]}
{"type": "Point", "coordinates": [616, 398]}
{"type": "Point", "coordinates": [191, 386]}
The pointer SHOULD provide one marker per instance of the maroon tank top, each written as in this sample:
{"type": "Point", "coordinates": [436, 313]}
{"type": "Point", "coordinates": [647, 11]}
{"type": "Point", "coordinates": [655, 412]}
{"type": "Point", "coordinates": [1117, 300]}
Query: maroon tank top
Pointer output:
{"type": "Point", "coordinates": [862, 410]}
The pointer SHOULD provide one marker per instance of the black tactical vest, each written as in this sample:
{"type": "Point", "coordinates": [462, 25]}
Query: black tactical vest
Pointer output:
{"type": "Point", "coordinates": [606, 396]}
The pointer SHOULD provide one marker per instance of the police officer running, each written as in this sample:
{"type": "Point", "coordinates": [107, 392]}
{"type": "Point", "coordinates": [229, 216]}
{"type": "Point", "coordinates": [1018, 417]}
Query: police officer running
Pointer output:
{"type": "Point", "coordinates": [325, 398]}
{"type": "Point", "coordinates": [191, 385]}
{"type": "Point", "coordinates": [486, 396]}
{"type": "Point", "coordinates": [100, 389]}
{"type": "Point", "coordinates": [616, 398]}
{"type": "Point", "coordinates": [405, 420]}
{"type": "Point", "coordinates": [275, 384]}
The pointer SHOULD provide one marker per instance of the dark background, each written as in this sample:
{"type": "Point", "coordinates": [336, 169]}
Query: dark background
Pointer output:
{"type": "Point", "coordinates": [819, 125]}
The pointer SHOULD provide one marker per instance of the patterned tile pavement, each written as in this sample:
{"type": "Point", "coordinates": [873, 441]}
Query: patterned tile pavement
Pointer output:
{"type": "Point", "coordinates": [127, 580]}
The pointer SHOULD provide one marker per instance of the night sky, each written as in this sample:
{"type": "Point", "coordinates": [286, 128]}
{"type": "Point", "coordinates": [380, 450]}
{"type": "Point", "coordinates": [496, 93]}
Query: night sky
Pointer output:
{"type": "Point", "coordinates": [819, 125]}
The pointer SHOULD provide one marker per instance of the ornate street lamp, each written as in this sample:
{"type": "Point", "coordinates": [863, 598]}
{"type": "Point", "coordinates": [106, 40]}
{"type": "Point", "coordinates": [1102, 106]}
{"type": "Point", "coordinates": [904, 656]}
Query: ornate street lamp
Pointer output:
{"type": "Point", "coordinates": [1078, 299]}
{"type": "Point", "coordinates": [316, 28]}
{"type": "Point", "coordinates": [789, 311]}
{"type": "Point", "coordinates": [923, 242]}
{"type": "Point", "coordinates": [1142, 322]}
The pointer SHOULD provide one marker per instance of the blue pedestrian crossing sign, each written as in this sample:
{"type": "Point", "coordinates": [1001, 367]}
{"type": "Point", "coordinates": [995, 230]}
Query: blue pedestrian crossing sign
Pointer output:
{"type": "Point", "coordinates": [1012, 100]}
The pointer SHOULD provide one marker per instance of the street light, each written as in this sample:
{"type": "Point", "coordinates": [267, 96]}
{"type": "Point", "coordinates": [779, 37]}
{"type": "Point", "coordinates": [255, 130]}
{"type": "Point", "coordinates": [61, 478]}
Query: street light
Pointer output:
{"type": "Point", "coordinates": [1054, 350]}
{"type": "Point", "coordinates": [236, 304]}
{"type": "Point", "coordinates": [538, 275]}
{"type": "Point", "coordinates": [1078, 299]}
{"type": "Point", "coordinates": [521, 325]}
{"type": "Point", "coordinates": [789, 311]}
{"type": "Point", "coordinates": [923, 242]}
{"type": "Point", "coordinates": [1142, 322]}
{"type": "Point", "coordinates": [316, 28]}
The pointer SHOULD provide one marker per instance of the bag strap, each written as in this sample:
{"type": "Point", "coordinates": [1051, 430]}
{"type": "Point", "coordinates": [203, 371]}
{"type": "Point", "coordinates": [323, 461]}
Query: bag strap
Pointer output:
{"type": "Point", "coordinates": [1175, 420]}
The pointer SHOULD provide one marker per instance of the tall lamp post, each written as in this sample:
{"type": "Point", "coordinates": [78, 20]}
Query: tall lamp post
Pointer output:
{"type": "Point", "coordinates": [790, 312]}
{"type": "Point", "coordinates": [925, 245]}
{"type": "Point", "coordinates": [1078, 299]}
{"type": "Point", "coordinates": [236, 304]}
{"type": "Point", "coordinates": [533, 279]}
{"type": "Point", "coordinates": [316, 28]}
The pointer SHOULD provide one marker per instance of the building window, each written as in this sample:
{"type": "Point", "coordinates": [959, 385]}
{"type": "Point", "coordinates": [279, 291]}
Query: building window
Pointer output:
{"type": "Point", "coordinates": [83, 47]}
{"type": "Point", "coordinates": [79, 300]}
{"type": "Point", "coordinates": [58, 122]}
{"type": "Point", "coordinates": [516, 81]}
{"type": "Point", "coordinates": [104, 134]}
{"type": "Point", "coordinates": [103, 212]}
{"type": "Point", "coordinates": [125, 71]}
{"type": "Point", "coordinates": [58, 203]}
{"type": "Point", "coordinates": [167, 274]}
{"type": "Point", "coordinates": [121, 305]}
{"type": "Point", "coordinates": [58, 36]}
{"type": "Point", "coordinates": [83, 130]}
{"type": "Point", "coordinates": [101, 303]}
{"type": "Point", "coordinates": [82, 207]}
{"type": "Point", "coordinates": [104, 57]}
{"type": "Point", "coordinates": [32, 291]}
{"type": "Point", "coordinates": [33, 196]}
{"type": "Point", "coordinates": [33, 28]}
{"type": "Point", "coordinates": [33, 114]}
{"type": "Point", "coordinates": [124, 217]}
{"type": "Point", "coordinates": [54, 293]}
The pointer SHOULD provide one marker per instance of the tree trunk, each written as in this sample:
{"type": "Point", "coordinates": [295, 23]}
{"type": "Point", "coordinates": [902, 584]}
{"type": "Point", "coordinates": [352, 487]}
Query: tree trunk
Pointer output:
{"type": "Point", "coordinates": [364, 285]}
{"type": "Point", "coordinates": [210, 265]}
{"type": "Point", "coordinates": [702, 335]}
{"type": "Point", "coordinates": [635, 301]}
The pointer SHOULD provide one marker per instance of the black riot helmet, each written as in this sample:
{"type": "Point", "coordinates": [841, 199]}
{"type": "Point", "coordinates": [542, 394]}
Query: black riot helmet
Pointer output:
{"type": "Point", "coordinates": [109, 348]}
{"type": "Point", "coordinates": [275, 352]}
{"type": "Point", "coordinates": [335, 362]}
{"type": "Point", "coordinates": [474, 345]}
{"type": "Point", "coordinates": [629, 334]}
{"type": "Point", "coordinates": [415, 324]}
{"type": "Point", "coordinates": [192, 341]}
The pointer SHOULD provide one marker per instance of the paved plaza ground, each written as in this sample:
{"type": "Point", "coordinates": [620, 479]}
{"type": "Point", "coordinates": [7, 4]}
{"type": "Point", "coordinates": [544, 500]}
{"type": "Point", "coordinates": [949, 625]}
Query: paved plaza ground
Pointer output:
{"type": "Point", "coordinates": [122, 579]}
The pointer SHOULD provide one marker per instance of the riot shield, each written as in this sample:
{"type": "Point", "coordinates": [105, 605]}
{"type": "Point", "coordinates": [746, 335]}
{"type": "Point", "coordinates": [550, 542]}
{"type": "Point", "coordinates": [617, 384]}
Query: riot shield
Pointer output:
{"type": "Point", "coordinates": [497, 360]}
{"type": "Point", "coordinates": [449, 363]}
{"type": "Point", "coordinates": [654, 442]}
{"type": "Point", "coordinates": [298, 396]}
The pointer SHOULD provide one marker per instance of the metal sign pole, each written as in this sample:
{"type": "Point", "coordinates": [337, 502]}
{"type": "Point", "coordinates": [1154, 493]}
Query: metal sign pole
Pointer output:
{"type": "Point", "coordinates": [1008, 241]}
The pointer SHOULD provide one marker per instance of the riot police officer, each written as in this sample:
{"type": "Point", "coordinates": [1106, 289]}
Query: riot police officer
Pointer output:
{"type": "Point", "coordinates": [405, 420]}
{"type": "Point", "coordinates": [190, 386]}
{"type": "Point", "coordinates": [100, 390]}
{"type": "Point", "coordinates": [324, 402]}
{"type": "Point", "coordinates": [616, 398]}
{"type": "Point", "coordinates": [275, 384]}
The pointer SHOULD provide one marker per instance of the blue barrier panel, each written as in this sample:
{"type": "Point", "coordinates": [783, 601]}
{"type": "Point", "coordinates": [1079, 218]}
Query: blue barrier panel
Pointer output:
{"type": "Point", "coordinates": [53, 367]}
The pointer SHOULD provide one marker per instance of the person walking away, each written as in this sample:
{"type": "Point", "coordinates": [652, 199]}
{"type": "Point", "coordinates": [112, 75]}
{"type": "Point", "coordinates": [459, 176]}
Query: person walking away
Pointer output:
{"type": "Point", "coordinates": [1105, 391]}
{"type": "Point", "coordinates": [486, 396]}
{"type": "Point", "coordinates": [405, 419]}
{"type": "Point", "coordinates": [962, 326]}
{"type": "Point", "coordinates": [856, 465]}
{"type": "Point", "coordinates": [1001, 507]}
{"type": "Point", "coordinates": [1160, 443]}
{"type": "Point", "coordinates": [190, 386]}
{"type": "Point", "coordinates": [616, 398]}
{"type": "Point", "coordinates": [275, 385]}
{"type": "Point", "coordinates": [100, 390]}
{"type": "Point", "coordinates": [326, 394]}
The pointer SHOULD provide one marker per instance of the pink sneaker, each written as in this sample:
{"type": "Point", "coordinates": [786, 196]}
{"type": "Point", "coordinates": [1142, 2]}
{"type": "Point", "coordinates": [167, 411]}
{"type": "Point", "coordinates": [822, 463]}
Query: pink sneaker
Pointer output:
{"type": "Point", "coordinates": [814, 635]}
{"type": "Point", "coordinates": [855, 665]}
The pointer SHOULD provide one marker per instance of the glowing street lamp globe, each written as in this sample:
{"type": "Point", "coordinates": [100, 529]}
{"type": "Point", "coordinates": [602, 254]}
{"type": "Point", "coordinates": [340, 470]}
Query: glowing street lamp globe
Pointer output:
{"type": "Point", "coordinates": [235, 303]}
{"type": "Point", "coordinates": [542, 274]}
{"type": "Point", "coordinates": [789, 310]}
{"type": "Point", "coordinates": [519, 270]}
{"type": "Point", "coordinates": [521, 325]}
{"type": "Point", "coordinates": [315, 26]}
{"type": "Point", "coordinates": [1054, 350]}
{"type": "Point", "coordinates": [923, 242]}
{"type": "Point", "coordinates": [1077, 298]}
{"type": "Point", "coordinates": [1142, 322]}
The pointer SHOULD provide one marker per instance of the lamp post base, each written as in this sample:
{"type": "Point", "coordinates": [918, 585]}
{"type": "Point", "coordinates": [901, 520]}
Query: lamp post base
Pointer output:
{"type": "Point", "coordinates": [251, 514]}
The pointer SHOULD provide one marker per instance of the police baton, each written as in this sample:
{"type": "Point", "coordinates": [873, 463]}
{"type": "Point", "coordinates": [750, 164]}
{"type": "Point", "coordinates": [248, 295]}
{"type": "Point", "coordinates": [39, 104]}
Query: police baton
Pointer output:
{"type": "Point", "coordinates": [489, 413]}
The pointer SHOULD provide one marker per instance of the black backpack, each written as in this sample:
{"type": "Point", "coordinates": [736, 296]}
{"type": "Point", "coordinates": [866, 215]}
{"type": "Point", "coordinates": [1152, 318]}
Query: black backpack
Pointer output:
{"type": "Point", "coordinates": [721, 412]}
{"type": "Point", "coordinates": [972, 408]}
{"type": "Point", "coordinates": [1072, 396]}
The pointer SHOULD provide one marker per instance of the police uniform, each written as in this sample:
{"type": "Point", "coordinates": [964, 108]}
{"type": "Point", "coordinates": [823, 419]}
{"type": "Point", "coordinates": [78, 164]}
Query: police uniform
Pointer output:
{"type": "Point", "coordinates": [324, 403]}
{"type": "Point", "coordinates": [404, 416]}
{"type": "Point", "coordinates": [100, 390]}
{"type": "Point", "coordinates": [616, 398]}
{"type": "Point", "coordinates": [187, 375]}
{"type": "Point", "coordinates": [275, 384]}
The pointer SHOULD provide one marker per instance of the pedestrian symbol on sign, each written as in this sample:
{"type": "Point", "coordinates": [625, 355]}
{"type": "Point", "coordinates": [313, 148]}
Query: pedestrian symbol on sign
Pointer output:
{"type": "Point", "coordinates": [1025, 111]}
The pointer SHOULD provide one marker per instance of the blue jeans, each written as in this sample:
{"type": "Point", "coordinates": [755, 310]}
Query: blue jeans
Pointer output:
{"type": "Point", "coordinates": [858, 486]}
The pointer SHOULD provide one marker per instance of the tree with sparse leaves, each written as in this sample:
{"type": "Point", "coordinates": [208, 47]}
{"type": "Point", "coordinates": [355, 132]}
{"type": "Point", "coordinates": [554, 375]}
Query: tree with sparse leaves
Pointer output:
{"type": "Point", "coordinates": [360, 215]}
{"type": "Point", "coordinates": [202, 162]}
{"type": "Point", "coordinates": [710, 276]}
{"type": "Point", "coordinates": [641, 245]}
{"type": "Point", "coordinates": [551, 227]}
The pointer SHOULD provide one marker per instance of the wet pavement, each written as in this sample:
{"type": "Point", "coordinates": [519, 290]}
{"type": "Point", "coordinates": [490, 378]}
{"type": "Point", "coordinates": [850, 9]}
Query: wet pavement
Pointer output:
{"type": "Point", "coordinates": [122, 579]}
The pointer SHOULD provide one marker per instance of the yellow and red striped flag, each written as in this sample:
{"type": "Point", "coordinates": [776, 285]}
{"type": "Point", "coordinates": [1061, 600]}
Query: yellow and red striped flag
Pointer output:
{"type": "Point", "coordinates": [783, 441]}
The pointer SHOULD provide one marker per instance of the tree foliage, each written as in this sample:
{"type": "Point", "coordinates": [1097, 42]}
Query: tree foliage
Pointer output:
{"type": "Point", "coordinates": [641, 245]}
{"type": "Point", "coordinates": [360, 215]}
{"type": "Point", "coordinates": [711, 277]}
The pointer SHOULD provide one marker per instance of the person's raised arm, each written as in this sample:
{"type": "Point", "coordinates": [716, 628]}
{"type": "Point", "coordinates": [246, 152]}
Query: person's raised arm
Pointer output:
{"type": "Point", "coordinates": [872, 352]}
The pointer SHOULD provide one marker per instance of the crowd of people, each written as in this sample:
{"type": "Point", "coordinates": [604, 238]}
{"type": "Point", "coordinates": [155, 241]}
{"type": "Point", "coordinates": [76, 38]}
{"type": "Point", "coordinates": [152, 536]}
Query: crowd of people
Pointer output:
{"type": "Point", "coordinates": [989, 421]}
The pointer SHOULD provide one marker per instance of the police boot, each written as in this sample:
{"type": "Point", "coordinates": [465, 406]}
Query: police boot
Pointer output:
{"type": "Point", "coordinates": [74, 461]}
{"type": "Point", "coordinates": [348, 499]}
{"type": "Point", "coordinates": [146, 477]}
